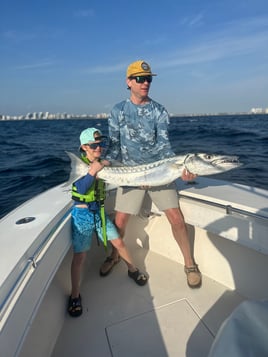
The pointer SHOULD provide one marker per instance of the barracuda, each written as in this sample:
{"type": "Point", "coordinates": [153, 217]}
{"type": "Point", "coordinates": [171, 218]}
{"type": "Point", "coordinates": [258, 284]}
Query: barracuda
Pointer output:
{"type": "Point", "coordinates": [160, 172]}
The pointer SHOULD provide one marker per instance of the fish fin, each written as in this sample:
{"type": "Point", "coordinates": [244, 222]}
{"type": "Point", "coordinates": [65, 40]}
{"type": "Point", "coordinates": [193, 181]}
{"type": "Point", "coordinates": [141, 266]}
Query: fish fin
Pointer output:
{"type": "Point", "coordinates": [78, 168]}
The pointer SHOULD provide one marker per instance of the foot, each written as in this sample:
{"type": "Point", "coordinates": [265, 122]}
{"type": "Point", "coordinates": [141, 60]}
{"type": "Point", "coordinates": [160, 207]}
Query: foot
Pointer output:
{"type": "Point", "coordinates": [108, 265]}
{"type": "Point", "coordinates": [75, 306]}
{"type": "Point", "coordinates": [194, 277]}
{"type": "Point", "coordinates": [139, 278]}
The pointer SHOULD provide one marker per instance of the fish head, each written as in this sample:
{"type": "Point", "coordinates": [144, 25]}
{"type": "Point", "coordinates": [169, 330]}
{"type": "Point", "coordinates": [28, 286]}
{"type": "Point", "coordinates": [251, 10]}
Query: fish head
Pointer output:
{"type": "Point", "coordinates": [209, 164]}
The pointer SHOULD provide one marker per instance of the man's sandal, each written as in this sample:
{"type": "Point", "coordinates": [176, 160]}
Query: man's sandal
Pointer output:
{"type": "Point", "coordinates": [75, 306]}
{"type": "Point", "coordinates": [194, 277]}
{"type": "Point", "coordinates": [108, 265]}
{"type": "Point", "coordinates": [138, 277]}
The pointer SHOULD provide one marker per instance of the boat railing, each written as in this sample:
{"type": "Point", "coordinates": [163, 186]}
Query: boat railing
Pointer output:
{"type": "Point", "coordinates": [229, 209]}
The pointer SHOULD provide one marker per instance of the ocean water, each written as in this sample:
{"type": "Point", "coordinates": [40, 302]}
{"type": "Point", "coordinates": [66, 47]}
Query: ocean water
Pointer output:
{"type": "Point", "coordinates": [33, 158]}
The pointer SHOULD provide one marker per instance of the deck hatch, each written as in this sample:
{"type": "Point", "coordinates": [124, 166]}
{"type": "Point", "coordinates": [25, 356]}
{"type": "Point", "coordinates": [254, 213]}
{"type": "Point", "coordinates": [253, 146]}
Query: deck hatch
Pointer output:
{"type": "Point", "coordinates": [170, 330]}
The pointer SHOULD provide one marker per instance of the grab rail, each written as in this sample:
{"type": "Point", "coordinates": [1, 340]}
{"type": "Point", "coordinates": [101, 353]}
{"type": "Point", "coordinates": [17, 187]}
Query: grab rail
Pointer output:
{"type": "Point", "coordinates": [229, 209]}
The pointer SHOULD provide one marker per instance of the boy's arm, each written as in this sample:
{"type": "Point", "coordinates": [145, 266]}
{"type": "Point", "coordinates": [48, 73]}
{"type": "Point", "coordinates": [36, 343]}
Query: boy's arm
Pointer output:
{"type": "Point", "coordinates": [84, 183]}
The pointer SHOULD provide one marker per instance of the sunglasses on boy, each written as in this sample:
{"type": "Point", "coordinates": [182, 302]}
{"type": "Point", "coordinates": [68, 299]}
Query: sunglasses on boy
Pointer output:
{"type": "Point", "coordinates": [94, 146]}
{"type": "Point", "coordinates": [142, 79]}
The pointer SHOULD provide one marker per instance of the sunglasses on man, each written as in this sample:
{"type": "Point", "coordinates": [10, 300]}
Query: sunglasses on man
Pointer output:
{"type": "Point", "coordinates": [142, 79]}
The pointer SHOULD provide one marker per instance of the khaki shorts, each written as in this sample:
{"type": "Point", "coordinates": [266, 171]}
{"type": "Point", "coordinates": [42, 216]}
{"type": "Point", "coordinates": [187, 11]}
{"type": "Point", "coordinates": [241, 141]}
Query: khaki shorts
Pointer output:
{"type": "Point", "coordinates": [130, 200]}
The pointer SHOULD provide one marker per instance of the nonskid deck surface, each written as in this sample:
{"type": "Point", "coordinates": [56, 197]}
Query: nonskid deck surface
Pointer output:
{"type": "Point", "coordinates": [163, 318]}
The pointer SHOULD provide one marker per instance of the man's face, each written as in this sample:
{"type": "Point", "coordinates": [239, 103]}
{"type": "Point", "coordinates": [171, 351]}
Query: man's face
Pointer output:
{"type": "Point", "coordinates": [139, 85]}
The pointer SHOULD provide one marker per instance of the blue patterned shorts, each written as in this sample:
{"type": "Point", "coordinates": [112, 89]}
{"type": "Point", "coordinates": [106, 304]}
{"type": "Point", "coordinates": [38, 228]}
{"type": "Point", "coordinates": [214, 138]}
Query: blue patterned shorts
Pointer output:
{"type": "Point", "coordinates": [83, 226]}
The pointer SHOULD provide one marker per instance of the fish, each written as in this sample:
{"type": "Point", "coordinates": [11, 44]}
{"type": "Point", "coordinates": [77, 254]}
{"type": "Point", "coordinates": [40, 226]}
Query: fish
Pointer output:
{"type": "Point", "coordinates": [160, 172]}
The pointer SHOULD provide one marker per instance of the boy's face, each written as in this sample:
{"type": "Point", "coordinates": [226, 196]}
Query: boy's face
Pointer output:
{"type": "Point", "coordinates": [94, 149]}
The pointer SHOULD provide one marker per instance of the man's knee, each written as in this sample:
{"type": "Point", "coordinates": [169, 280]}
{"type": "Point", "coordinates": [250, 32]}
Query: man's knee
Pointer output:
{"type": "Point", "coordinates": [120, 221]}
{"type": "Point", "coordinates": [175, 217]}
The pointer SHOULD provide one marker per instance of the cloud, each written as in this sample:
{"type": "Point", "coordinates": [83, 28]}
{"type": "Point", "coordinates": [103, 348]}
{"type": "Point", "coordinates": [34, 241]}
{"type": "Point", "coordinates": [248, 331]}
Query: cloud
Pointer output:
{"type": "Point", "coordinates": [193, 21]}
{"type": "Point", "coordinates": [156, 41]}
{"type": "Point", "coordinates": [209, 50]}
{"type": "Point", "coordinates": [37, 65]}
{"type": "Point", "coordinates": [249, 24]}
{"type": "Point", "coordinates": [106, 69]}
{"type": "Point", "coordinates": [18, 36]}
{"type": "Point", "coordinates": [236, 39]}
{"type": "Point", "coordinates": [221, 48]}
{"type": "Point", "coordinates": [84, 13]}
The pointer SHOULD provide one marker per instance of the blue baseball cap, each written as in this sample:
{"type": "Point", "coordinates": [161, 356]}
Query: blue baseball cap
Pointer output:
{"type": "Point", "coordinates": [87, 135]}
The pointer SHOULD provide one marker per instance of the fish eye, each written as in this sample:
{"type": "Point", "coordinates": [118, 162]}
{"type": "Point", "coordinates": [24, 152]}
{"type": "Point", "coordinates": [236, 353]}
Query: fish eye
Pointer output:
{"type": "Point", "coordinates": [208, 157]}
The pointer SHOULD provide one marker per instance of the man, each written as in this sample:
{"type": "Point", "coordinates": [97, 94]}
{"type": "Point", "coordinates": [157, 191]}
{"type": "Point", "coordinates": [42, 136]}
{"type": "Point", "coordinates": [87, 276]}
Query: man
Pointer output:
{"type": "Point", "coordinates": [139, 135]}
{"type": "Point", "coordinates": [88, 215]}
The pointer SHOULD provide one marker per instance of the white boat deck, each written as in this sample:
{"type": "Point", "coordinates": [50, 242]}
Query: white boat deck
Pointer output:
{"type": "Point", "coordinates": [163, 318]}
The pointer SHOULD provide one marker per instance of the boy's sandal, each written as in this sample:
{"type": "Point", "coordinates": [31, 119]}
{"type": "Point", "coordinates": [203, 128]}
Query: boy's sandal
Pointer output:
{"type": "Point", "coordinates": [108, 265]}
{"type": "Point", "coordinates": [138, 277]}
{"type": "Point", "coordinates": [75, 306]}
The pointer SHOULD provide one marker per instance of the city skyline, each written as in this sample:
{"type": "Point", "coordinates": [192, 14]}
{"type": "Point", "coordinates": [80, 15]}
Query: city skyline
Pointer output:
{"type": "Point", "coordinates": [47, 115]}
{"type": "Point", "coordinates": [210, 56]}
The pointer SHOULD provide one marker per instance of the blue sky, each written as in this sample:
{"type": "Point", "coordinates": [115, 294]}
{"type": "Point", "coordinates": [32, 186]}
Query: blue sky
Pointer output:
{"type": "Point", "coordinates": [71, 56]}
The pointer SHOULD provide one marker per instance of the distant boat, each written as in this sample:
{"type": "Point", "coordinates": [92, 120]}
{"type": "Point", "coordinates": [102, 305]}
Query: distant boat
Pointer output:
{"type": "Point", "coordinates": [227, 224]}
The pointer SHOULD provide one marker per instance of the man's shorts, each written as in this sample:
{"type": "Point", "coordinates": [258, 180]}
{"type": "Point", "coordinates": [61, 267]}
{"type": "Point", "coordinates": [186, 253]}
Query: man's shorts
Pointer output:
{"type": "Point", "coordinates": [84, 223]}
{"type": "Point", "coordinates": [130, 200]}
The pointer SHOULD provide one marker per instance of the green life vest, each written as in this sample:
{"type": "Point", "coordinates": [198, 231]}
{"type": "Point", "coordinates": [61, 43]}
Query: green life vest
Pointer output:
{"type": "Point", "coordinates": [95, 193]}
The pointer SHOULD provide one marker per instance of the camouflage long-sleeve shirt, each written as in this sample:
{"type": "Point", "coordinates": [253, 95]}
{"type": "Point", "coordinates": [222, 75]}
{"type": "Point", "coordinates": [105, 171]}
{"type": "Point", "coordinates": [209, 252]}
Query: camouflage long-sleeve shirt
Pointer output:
{"type": "Point", "coordinates": [138, 133]}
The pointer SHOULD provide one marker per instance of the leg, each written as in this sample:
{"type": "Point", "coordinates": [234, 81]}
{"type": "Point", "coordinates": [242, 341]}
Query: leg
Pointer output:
{"type": "Point", "coordinates": [75, 305]}
{"type": "Point", "coordinates": [120, 250]}
{"type": "Point", "coordinates": [179, 230]}
{"type": "Point", "coordinates": [180, 234]}
{"type": "Point", "coordinates": [121, 220]}
{"type": "Point", "coordinates": [82, 227]}
{"type": "Point", "coordinates": [119, 245]}
{"type": "Point", "coordinates": [166, 199]}
{"type": "Point", "coordinates": [76, 269]}
{"type": "Point", "coordinates": [133, 272]}
{"type": "Point", "coordinates": [126, 199]}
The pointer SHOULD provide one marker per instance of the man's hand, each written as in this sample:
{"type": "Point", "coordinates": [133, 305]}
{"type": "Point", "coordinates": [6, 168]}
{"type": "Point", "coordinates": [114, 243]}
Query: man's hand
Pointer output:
{"type": "Point", "coordinates": [105, 163]}
{"type": "Point", "coordinates": [187, 175]}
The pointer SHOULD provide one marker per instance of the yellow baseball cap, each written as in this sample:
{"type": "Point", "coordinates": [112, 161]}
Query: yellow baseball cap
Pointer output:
{"type": "Point", "coordinates": [139, 68]}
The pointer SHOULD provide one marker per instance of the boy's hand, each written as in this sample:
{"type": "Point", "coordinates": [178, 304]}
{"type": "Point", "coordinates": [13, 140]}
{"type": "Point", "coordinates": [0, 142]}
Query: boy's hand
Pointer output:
{"type": "Point", "coordinates": [95, 167]}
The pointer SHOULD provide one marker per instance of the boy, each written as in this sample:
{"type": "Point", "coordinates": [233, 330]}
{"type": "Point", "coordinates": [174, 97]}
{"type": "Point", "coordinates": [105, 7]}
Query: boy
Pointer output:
{"type": "Point", "coordinates": [88, 215]}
